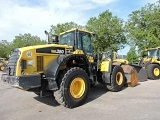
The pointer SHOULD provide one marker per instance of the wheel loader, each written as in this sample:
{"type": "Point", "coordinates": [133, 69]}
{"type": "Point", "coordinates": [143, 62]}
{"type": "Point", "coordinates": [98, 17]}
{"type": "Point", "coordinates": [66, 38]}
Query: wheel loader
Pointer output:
{"type": "Point", "coordinates": [65, 68]}
{"type": "Point", "coordinates": [3, 63]}
{"type": "Point", "coordinates": [150, 60]}
{"type": "Point", "coordinates": [129, 69]}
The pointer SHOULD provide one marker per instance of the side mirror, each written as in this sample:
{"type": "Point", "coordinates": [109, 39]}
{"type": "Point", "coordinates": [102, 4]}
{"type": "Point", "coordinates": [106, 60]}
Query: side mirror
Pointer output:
{"type": "Point", "coordinates": [144, 54]}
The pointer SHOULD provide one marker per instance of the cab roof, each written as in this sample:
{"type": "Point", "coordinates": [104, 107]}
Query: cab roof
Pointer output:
{"type": "Point", "coordinates": [82, 30]}
{"type": "Point", "coordinates": [153, 48]}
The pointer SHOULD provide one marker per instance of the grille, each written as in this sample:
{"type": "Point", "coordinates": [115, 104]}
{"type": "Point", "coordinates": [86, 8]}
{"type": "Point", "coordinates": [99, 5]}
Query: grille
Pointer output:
{"type": "Point", "coordinates": [39, 63]}
{"type": "Point", "coordinates": [12, 62]}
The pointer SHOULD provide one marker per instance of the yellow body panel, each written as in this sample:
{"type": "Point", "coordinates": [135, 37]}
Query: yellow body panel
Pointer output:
{"type": "Point", "coordinates": [104, 66]}
{"type": "Point", "coordinates": [78, 51]}
{"type": "Point", "coordinates": [121, 61]}
{"type": "Point", "coordinates": [154, 60]}
{"type": "Point", "coordinates": [29, 54]}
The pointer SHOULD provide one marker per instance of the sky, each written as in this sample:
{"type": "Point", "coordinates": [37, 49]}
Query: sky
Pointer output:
{"type": "Point", "coordinates": [36, 16]}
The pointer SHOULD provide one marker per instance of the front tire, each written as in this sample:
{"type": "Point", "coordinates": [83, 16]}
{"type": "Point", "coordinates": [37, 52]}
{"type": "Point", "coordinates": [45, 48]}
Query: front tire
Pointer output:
{"type": "Point", "coordinates": [117, 79]}
{"type": "Point", "coordinates": [74, 87]}
{"type": "Point", "coordinates": [153, 71]}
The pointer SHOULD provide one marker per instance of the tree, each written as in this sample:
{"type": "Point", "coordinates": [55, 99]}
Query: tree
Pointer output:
{"type": "Point", "coordinates": [26, 40]}
{"type": "Point", "coordinates": [132, 57]}
{"type": "Point", "coordinates": [59, 28]}
{"type": "Point", "coordinates": [110, 32]}
{"type": "Point", "coordinates": [18, 42]}
{"type": "Point", "coordinates": [5, 48]}
{"type": "Point", "coordinates": [143, 26]}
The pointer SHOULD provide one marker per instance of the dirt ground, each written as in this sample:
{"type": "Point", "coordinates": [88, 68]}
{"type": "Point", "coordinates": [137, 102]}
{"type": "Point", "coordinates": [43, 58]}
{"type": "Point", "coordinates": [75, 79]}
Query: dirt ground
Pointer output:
{"type": "Point", "coordinates": [138, 103]}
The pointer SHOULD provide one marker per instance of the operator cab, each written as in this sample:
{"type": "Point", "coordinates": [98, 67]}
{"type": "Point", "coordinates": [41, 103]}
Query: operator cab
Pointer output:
{"type": "Point", "coordinates": [79, 39]}
{"type": "Point", "coordinates": [153, 53]}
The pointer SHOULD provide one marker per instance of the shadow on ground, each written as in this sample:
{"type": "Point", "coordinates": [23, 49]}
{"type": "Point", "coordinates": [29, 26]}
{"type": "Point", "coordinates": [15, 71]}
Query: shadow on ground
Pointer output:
{"type": "Point", "coordinates": [95, 92]}
{"type": "Point", "coordinates": [47, 100]}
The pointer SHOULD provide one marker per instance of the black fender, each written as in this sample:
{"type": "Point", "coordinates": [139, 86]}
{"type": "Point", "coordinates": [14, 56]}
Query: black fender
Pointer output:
{"type": "Point", "coordinates": [52, 70]}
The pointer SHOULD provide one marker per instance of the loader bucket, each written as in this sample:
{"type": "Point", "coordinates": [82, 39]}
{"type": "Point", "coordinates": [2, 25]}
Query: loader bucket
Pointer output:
{"type": "Point", "coordinates": [131, 75]}
{"type": "Point", "coordinates": [142, 72]}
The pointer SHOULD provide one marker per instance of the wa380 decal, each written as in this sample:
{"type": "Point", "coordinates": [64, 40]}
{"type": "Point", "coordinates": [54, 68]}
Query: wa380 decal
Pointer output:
{"type": "Point", "coordinates": [58, 51]}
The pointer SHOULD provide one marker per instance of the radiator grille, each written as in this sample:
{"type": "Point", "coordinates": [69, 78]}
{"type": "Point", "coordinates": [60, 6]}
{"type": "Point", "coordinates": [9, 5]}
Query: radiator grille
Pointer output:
{"type": "Point", "coordinates": [39, 63]}
{"type": "Point", "coordinates": [12, 62]}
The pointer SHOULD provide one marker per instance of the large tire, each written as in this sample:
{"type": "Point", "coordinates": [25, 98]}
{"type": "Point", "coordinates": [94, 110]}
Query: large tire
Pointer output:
{"type": "Point", "coordinates": [153, 71]}
{"type": "Point", "coordinates": [74, 87]}
{"type": "Point", "coordinates": [117, 79]}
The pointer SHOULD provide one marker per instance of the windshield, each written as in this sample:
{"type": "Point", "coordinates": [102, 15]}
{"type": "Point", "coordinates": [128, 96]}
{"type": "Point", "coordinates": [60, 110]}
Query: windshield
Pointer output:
{"type": "Point", "coordinates": [109, 54]}
{"type": "Point", "coordinates": [121, 57]}
{"type": "Point", "coordinates": [67, 38]}
{"type": "Point", "coordinates": [153, 53]}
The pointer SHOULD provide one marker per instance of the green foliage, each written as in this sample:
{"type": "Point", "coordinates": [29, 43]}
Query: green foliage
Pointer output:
{"type": "Point", "coordinates": [142, 30]}
{"type": "Point", "coordinates": [143, 26]}
{"type": "Point", "coordinates": [110, 32]}
{"type": "Point", "coordinates": [5, 48]}
{"type": "Point", "coordinates": [132, 57]}
{"type": "Point", "coordinates": [59, 28]}
{"type": "Point", "coordinates": [26, 40]}
{"type": "Point", "coordinates": [18, 42]}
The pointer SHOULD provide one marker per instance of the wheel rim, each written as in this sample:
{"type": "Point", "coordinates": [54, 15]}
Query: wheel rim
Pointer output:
{"type": "Point", "coordinates": [77, 87]}
{"type": "Point", "coordinates": [119, 78]}
{"type": "Point", "coordinates": [156, 71]}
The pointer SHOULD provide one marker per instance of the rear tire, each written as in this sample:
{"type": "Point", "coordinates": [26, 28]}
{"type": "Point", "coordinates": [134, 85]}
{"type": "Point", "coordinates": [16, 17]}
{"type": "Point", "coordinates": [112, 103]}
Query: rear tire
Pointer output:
{"type": "Point", "coordinates": [117, 79]}
{"type": "Point", "coordinates": [74, 87]}
{"type": "Point", "coordinates": [153, 71]}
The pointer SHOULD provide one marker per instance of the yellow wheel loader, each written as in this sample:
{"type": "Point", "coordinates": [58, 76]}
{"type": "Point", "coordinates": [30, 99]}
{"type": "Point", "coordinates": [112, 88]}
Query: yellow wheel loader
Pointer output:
{"type": "Point", "coordinates": [65, 68]}
{"type": "Point", "coordinates": [3, 63]}
{"type": "Point", "coordinates": [151, 62]}
{"type": "Point", "coordinates": [130, 70]}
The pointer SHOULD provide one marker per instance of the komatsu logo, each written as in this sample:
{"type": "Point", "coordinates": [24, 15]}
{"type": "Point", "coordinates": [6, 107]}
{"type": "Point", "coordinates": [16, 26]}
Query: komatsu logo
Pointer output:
{"type": "Point", "coordinates": [58, 51]}
{"type": "Point", "coordinates": [29, 54]}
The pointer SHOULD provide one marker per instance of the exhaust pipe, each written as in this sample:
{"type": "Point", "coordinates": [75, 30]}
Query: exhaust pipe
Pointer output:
{"type": "Point", "coordinates": [47, 36]}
